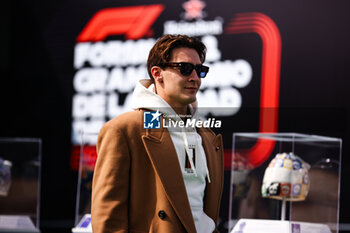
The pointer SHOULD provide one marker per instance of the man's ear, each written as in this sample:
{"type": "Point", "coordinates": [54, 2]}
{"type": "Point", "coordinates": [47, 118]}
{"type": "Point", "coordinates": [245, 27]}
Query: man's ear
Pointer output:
{"type": "Point", "coordinates": [157, 73]}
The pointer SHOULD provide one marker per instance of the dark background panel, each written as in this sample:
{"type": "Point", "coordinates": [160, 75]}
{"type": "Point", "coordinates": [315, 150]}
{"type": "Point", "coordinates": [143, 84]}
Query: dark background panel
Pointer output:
{"type": "Point", "coordinates": [38, 39]}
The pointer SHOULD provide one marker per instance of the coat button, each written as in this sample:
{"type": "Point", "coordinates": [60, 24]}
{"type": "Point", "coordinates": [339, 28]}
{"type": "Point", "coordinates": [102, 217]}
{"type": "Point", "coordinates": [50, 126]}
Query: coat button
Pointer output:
{"type": "Point", "coordinates": [218, 148]}
{"type": "Point", "coordinates": [161, 214]}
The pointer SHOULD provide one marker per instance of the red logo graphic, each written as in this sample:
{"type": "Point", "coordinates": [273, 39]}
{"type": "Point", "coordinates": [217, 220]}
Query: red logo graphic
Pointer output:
{"type": "Point", "coordinates": [265, 27]}
{"type": "Point", "coordinates": [88, 156]}
{"type": "Point", "coordinates": [194, 9]}
{"type": "Point", "coordinates": [134, 22]}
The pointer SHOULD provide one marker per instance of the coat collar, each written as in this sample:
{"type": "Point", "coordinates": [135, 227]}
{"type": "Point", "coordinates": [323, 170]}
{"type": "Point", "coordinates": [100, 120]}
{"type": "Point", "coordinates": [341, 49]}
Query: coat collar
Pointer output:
{"type": "Point", "coordinates": [162, 154]}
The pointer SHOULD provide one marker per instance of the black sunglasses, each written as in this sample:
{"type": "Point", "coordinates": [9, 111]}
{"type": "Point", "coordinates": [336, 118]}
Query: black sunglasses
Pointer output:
{"type": "Point", "coordinates": [186, 68]}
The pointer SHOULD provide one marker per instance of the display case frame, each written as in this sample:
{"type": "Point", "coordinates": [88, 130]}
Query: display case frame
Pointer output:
{"type": "Point", "coordinates": [253, 153]}
{"type": "Point", "coordinates": [20, 201]}
{"type": "Point", "coordinates": [87, 160]}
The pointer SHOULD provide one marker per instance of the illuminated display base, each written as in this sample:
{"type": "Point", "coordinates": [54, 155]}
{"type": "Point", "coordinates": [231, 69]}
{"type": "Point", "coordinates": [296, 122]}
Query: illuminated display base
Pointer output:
{"type": "Point", "coordinates": [9, 223]}
{"type": "Point", "coordinates": [84, 225]}
{"type": "Point", "coordinates": [276, 226]}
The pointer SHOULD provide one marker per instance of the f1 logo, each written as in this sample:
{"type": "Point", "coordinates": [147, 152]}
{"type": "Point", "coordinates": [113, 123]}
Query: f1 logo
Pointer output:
{"type": "Point", "coordinates": [134, 22]}
{"type": "Point", "coordinates": [151, 120]}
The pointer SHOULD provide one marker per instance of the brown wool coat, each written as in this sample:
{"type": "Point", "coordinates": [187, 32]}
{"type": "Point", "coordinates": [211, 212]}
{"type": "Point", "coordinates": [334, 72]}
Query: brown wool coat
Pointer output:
{"type": "Point", "coordinates": [138, 185]}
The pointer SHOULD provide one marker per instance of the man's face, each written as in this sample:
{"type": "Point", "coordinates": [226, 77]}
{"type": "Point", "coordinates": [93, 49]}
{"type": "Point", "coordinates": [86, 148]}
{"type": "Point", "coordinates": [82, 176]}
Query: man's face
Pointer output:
{"type": "Point", "coordinates": [176, 89]}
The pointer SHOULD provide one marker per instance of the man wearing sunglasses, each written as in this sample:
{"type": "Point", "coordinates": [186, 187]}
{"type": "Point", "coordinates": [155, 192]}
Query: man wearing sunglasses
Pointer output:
{"type": "Point", "coordinates": [162, 179]}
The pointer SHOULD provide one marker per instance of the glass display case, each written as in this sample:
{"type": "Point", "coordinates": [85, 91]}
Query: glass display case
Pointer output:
{"type": "Point", "coordinates": [284, 182]}
{"type": "Point", "coordinates": [20, 169]}
{"type": "Point", "coordinates": [86, 169]}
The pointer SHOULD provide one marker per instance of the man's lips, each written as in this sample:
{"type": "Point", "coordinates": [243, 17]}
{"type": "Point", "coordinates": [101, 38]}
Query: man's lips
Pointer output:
{"type": "Point", "coordinates": [191, 88]}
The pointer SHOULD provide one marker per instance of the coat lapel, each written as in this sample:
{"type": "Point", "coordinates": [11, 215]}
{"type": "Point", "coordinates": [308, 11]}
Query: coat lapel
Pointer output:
{"type": "Point", "coordinates": [212, 145]}
{"type": "Point", "coordinates": [162, 154]}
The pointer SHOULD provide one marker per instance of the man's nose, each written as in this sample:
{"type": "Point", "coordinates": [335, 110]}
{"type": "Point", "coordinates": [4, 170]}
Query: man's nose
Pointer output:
{"type": "Point", "coordinates": [194, 76]}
